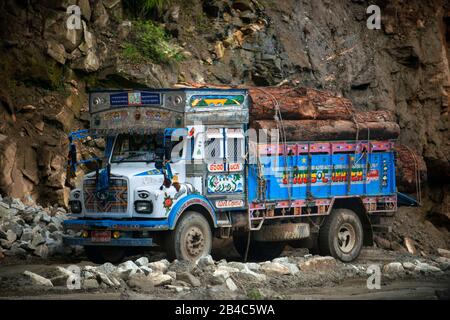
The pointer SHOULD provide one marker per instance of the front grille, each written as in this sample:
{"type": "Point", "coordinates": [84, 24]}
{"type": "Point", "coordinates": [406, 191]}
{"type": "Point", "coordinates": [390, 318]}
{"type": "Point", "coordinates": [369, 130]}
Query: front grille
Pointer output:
{"type": "Point", "coordinates": [114, 200]}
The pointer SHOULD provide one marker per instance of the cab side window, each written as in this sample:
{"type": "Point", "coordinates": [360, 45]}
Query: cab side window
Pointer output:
{"type": "Point", "coordinates": [235, 145]}
{"type": "Point", "coordinates": [214, 145]}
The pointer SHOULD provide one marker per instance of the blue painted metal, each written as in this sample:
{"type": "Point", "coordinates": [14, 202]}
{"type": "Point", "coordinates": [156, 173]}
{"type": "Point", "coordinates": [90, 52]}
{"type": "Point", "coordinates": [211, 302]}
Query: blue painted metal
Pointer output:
{"type": "Point", "coordinates": [326, 172]}
{"type": "Point", "coordinates": [183, 204]}
{"type": "Point", "coordinates": [161, 224]}
{"type": "Point", "coordinates": [135, 98]}
{"type": "Point", "coordinates": [121, 242]}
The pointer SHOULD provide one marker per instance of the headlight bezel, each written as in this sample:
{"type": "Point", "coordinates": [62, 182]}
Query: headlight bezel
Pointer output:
{"type": "Point", "coordinates": [147, 203]}
{"type": "Point", "coordinates": [73, 209]}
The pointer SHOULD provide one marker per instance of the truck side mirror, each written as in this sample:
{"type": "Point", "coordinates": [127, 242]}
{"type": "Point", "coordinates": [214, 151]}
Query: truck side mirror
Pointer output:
{"type": "Point", "coordinates": [158, 164]}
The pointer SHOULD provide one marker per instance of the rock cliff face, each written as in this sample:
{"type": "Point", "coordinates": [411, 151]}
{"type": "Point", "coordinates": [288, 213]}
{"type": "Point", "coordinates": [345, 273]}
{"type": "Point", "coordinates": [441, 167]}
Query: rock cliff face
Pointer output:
{"type": "Point", "coordinates": [45, 70]}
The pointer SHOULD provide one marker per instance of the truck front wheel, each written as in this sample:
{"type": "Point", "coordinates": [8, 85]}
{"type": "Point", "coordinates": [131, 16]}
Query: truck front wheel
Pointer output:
{"type": "Point", "coordinates": [104, 254]}
{"type": "Point", "coordinates": [191, 239]}
{"type": "Point", "coordinates": [342, 235]}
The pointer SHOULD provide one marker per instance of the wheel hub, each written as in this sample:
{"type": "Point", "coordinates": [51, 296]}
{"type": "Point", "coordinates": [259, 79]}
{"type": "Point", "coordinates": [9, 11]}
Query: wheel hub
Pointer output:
{"type": "Point", "coordinates": [346, 237]}
{"type": "Point", "coordinates": [195, 242]}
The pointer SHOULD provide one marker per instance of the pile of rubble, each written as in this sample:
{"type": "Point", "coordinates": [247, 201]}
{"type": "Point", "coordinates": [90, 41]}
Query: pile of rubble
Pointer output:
{"type": "Point", "coordinates": [31, 230]}
{"type": "Point", "coordinates": [221, 276]}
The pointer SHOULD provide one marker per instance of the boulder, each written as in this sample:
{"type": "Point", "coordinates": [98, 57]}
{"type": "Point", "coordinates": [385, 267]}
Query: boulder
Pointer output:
{"type": "Point", "coordinates": [231, 285]}
{"type": "Point", "coordinates": [56, 51]}
{"type": "Point", "coordinates": [274, 268]}
{"type": "Point", "coordinates": [5, 244]}
{"type": "Point", "coordinates": [159, 266]}
{"type": "Point", "coordinates": [318, 264]}
{"type": "Point", "coordinates": [253, 266]}
{"type": "Point", "coordinates": [257, 276]}
{"type": "Point", "coordinates": [41, 251]}
{"type": "Point", "coordinates": [146, 270]}
{"type": "Point", "coordinates": [220, 276]}
{"type": "Point", "coordinates": [100, 15]}
{"type": "Point", "coordinates": [106, 268]}
{"type": "Point", "coordinates": [140, 281]}
{"type": "Point", "coordinates": [205, 261]}
{"type": "Point", "coordinates": [61, 275]}
{"type": "Point", "coordinates": [426, 268]}
{"type": "Point", "coordinates": [189, 278]}
{"type": "Point", "coordinates": [90, 284]}
{"type": "Point", "coordinates": [11, 236]}
{"type": "Point", "coordinates": [142, 261]}
{"type": "Point", "coordinates": [85, 9]}
{"type": "Point", "coordinates": [444, 263]}
{"type": "Point", "coordinates": [127, 269]}
{"type": "Point", "coordinates": [109, 280]}
{"type": "Point", "coordinates": [27, 234]}
{"type": "Point", "coordinates": [159, 279]}
{"type": "Point", "coordinates": [409, 266]}
{"type": "Point", "coordinates": [227, 268]}
{"type": "Point", "coordinates": [237, 265]}
{"type": "Point", "coordinates": [38, 239]}
{"type": "Point", "coordinates": [38, 280]}
{"type": "Point", "coordinates": [16, 250]}
{"type": "Point", "coordinates": [444, 253]}
{"type": "Point", "coordinates": [393, 267]}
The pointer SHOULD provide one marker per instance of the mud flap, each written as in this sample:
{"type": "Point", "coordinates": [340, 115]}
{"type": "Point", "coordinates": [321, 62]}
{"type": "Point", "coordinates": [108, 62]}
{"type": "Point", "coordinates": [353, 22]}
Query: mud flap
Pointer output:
{"type": "Point", "coordinates": [282, 232]}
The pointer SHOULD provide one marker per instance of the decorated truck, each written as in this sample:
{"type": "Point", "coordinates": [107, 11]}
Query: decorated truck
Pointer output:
{"type": "Point", "coordinates": [184, 166]}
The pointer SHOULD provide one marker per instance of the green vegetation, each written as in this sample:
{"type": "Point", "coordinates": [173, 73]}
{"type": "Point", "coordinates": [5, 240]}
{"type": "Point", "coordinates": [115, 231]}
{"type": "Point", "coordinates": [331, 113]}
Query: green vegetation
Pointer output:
{"type": "Point", "coordinates": [150, 42]}
{"type": "Point", "coordinates": [254, 294]}
{"type": "Point", "coordinates": [143, 8]}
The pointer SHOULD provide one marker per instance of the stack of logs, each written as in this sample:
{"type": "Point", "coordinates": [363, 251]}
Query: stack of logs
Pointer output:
{"type": "Point", "coordinates": [314, 115]}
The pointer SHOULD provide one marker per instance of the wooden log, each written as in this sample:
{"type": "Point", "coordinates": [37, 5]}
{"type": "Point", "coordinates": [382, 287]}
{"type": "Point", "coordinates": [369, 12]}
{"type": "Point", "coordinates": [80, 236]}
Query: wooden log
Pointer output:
{"type": "Point", "coordinates": [297, 104]}
{"type": "Point", "coordinates": [323, 130]}
{"type": "Point", "coordinates": [408, 161]}
{"type": "Point", "coordinates": [375, 116]}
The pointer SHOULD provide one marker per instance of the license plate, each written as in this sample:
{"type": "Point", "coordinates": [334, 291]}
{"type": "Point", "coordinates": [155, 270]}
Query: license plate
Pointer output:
{"type": "Point", "coordinates": [101, 236]}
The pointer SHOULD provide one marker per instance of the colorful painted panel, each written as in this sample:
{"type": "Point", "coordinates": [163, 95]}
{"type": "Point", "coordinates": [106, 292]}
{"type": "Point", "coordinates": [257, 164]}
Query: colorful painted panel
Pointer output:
{"type": "Point", "coordinates": [226, 183]}
{"type": "Point", "coordinates": [324, 176]}
{"type": "Point", "coordinates": [115, 199]}
{"type": "Point", "coordinates": [135, 98]}
{"type": "Point", "coordinates": [216, 100]}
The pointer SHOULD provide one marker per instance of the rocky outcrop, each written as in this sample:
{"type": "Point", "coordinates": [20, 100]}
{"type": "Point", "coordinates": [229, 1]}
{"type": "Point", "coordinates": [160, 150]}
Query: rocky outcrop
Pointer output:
{"type": "Point", "coordinates": [31, 230]}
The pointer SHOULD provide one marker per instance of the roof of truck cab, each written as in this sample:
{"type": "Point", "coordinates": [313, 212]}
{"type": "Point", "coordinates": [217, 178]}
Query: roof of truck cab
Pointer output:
{"type": "Point", "coordinates": [164, 89]}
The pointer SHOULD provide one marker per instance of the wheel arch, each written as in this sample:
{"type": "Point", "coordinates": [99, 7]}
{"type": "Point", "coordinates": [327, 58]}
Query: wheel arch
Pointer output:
{"type": "Point", "coordinates": [356, 205]}
{"type": "Point", "coordinates": [195, 203]}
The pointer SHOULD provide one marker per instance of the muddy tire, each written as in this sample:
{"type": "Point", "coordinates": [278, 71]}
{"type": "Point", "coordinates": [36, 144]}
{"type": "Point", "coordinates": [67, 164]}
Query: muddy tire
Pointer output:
{"type": "Point", "coordinates": [191, 238]}
{"type": "Point", "coordinates": [258, 251]}
{"type": "Point", "coordinates": [342, 235]}
{"type": "Point", "coordinates": [101, 255]}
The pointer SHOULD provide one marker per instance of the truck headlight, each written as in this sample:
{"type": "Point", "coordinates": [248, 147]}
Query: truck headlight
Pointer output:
{"type": "Point", "coordinates": [143, 206]}
{"type": "Point", "coordinates": [75, 206]}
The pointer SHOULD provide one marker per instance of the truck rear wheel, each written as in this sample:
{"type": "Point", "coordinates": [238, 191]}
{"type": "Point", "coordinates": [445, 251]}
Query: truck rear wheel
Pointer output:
{"type": "Point", "coordinates": [342, 235]}
{"type": "Point", "coordinates": [258, 250]}
{"type": "Point", "coordinates": [191, 239]}
{"type": "Point", "coordinates": [101, 255]}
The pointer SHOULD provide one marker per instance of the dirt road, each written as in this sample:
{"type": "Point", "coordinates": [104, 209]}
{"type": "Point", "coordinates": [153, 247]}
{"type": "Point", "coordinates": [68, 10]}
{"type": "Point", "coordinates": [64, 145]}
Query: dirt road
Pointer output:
{"type": "Point", "coordinates": [338, 281]}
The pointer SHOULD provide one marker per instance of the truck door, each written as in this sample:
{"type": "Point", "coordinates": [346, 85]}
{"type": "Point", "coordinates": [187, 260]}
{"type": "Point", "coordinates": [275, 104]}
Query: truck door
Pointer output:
{"type": "Point", "coordinates": [225, 158]}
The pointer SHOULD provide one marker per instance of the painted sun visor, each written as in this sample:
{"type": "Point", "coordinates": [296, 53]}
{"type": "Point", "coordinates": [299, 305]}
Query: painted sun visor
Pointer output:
{"type": "Point", "coordinates": [141, 120]}
{"type": "Point", "coordinates": [141, 111]}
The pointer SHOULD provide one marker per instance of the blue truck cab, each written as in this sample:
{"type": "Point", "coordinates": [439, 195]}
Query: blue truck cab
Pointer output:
{"type": "Point", "coordinates": [184, 166]}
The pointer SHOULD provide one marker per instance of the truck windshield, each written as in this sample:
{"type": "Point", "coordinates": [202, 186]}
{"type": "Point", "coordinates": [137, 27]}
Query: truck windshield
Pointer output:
{"type": "Point", "coordinates": [134, 148]}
